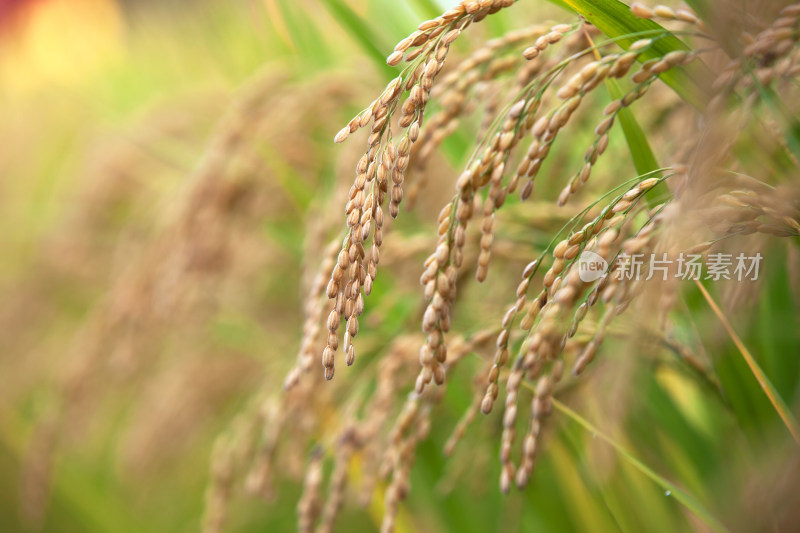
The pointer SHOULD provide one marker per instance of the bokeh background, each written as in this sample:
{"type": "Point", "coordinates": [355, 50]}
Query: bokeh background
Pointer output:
{"type": "Point", "coordinates": [167, 186]}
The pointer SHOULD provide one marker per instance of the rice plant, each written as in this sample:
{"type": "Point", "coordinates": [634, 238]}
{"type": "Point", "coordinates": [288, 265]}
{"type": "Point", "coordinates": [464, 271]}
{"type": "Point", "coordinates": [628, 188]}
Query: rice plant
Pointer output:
{"type": "Point", "coordinates": [563, 296]}
{"type": "Point", "coordinates": [726, 85]}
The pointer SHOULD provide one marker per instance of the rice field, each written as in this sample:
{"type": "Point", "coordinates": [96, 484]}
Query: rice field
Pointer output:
{"type": "Point", "coordinates": [358, 265]}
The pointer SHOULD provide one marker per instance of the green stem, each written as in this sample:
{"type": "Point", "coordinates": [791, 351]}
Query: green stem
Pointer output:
{"type": "Point", "coordinates": [684, 498]}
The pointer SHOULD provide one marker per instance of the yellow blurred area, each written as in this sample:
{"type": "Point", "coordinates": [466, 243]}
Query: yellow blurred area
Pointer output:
{"type": "Point", "coordinates": [686, 395]}
{"type": "Point", "coordinates": [59, 42]}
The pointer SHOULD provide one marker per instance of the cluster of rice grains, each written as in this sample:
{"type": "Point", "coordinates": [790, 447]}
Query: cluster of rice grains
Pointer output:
{"type": "Point", "coordinates": [354, 272]}
{"type": "Point", "coordinates": [530, 85]}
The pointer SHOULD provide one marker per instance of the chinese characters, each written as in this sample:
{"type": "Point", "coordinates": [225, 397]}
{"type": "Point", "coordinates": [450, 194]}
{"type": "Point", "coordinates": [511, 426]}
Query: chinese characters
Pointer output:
{"type": "Point", "coordinates": [718, 266]}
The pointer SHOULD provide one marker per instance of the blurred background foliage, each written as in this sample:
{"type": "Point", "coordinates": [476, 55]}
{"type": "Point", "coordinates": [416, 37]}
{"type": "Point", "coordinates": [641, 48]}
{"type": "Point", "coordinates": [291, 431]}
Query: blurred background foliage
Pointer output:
{"type": "Point", "coordinates": [166, 176]}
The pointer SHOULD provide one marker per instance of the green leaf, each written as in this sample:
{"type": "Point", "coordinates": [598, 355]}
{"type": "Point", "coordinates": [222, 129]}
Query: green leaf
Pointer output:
{"type": "Point", "coordinates": [783, 410]}
{"type": "Point", "coordinates": [616, 21]}
{"type": "Point", "coordinates": [642, 155]}
{"type": "Point", "coordinates": [361, 32]}
{"type": "Point", "coordinates": [427, 8]}
{"type": "Point", "coordinates": [686, 499]}
{"type": "Point", "coordinates": [303, 32]}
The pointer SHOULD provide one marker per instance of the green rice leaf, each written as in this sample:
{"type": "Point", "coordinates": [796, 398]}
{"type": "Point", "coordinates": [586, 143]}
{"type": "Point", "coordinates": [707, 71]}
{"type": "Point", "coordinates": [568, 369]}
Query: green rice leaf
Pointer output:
{"type": "Point", "coordinates": [427, 8]}
{"type": "Point", "coordinates": [686, 499]}
{"type": "Point", "coordinates": [616, 21]}
{"type": "Point", "coordinates": [643, 159]}
{"type": "Point", "coordinates": [361, 32]}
